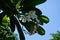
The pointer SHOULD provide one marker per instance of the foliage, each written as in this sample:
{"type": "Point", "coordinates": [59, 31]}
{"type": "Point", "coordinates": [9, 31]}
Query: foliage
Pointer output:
{"type": "Point", "coordinates": [56, 36]}
{"type": "Point", "coordinates": [24, 12]}
{"type": "Point", "coordinates": [5, 33]}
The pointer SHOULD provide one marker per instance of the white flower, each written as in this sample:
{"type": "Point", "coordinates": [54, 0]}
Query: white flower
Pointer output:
{"type": "Point", "coordinates": [32, 14]}
{"type": "Point", "coordinates": [29, 16]}
{"type": "Point", "coordinates": [24, 18]}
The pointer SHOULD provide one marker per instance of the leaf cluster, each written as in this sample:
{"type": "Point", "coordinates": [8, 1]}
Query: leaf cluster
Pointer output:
{"type": "Point", "coordinates": [11, 9]}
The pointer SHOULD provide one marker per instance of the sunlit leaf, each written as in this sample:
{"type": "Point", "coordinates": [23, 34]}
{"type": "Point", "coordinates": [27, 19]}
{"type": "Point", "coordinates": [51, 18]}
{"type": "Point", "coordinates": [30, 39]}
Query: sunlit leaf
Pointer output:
{"type": "Point", "coordinates": [45, 19]}
{"type": "Point", "coordinates": [15, 1]}
{"type": "Point", "coordinates": [6, 20]}
{"type": "Point", "coordinates": [18, 5]}
{"type": "Point", "coordinates": [7, 2]}
{"type": "Point", "coordinates": [1, 17]}
{"type": "Point", "coordinates": [11, 1]}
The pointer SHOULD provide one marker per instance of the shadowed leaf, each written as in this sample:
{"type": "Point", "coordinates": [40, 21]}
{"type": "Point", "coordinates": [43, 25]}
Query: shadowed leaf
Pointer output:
{"type": "Point", "coordinates": [12, 24]}
{"type": "Point", "coordinates": [31, 3]}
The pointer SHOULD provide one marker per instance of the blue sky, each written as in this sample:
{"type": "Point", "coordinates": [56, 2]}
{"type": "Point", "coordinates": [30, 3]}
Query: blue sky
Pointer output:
{"type": "Point", "coordinates": [51, 8]}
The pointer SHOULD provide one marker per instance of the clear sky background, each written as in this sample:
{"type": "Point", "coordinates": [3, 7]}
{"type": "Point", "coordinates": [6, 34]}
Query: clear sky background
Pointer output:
{"type": "Point", "coordinates": [51, 8]}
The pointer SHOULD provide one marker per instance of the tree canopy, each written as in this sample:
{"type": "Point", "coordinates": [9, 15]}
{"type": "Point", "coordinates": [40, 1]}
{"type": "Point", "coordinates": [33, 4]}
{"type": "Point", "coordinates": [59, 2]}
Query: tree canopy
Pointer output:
{"type": "Point", "coordinates": [56, 36]}
{"type": "Point", "coordinates": [24, 12]}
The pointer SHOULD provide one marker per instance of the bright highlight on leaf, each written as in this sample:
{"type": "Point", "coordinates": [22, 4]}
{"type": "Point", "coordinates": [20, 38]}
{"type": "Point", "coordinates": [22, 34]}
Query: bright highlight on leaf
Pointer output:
{"type": "Point", "coordinates": [45, 19]}
{"type": "Point", "coordinates": [6, 20]}
{"type": "Point", "coordinates": [12, 1]}
{"type": "Point", "coordinates": [40, 31]}
{"type": "Point", "coordinates": [18, 5]}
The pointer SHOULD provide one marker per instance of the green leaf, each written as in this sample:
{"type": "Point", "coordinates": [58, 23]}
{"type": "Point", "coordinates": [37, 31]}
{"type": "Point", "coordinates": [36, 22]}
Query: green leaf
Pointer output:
{"type": "Point", "coordinates": [18, 4]}
{"type": "Point", "coordinates": [5, 20]}
{"type": "Point", "coordinates": [38, 12]}
{"type": "Point", "coordinates": [7, 2]}
{"type": "Point", "coordinates": [40, 30]}
{"type": "Point", "coordinates": [27, 9]}
{"type": "Point", "coordinates": [44, 19]}
{"type": "Point", "coordinates": [12, 24]}
{"type": "Point", "coordinates": [41, 21]}
{"type": "Point", "coordinates": [30, 3]}
{"type": "Point", "coordinates": [6, 5]}
{"type": "Point", "coordinates": [6, 34]}
{"type": "Point", "coordinates": [1, 17]}
{"type": "Point", "coordinates": [15, 1]}
{"type": "Point", "coordinates": [11, 1]}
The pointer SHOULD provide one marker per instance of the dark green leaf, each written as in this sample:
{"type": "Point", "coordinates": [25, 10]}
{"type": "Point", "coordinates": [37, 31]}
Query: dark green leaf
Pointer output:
{"type": "Point", "coordinates": [27, 9]}
{"type": "Point", "coordinates": [7, 5]}
{"type": "Point", "coordinates": [1, 17]}
{"type": "Point", "coordinates": [41, 31]}
{"type": "Point", "coordinates": [43, 19]}
{"type": "Point", "coordinates": [41, 22]}
{"type": "Point", "coordinates": [32, 2]}
{"type": "Point", "coordinates": [6, 2]}
{"type": "Point", "coordinates": [38, 12]}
